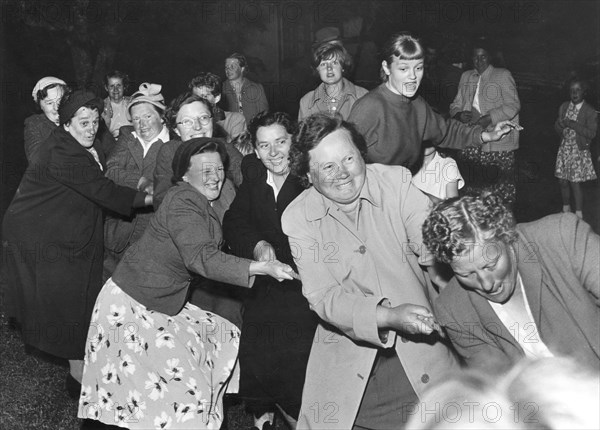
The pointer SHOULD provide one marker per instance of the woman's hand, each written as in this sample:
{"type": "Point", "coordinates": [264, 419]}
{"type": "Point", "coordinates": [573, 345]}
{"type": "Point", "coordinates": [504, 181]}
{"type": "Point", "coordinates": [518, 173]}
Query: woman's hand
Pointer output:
{"type": "Point", "coordinates": [274, 268]}
{"type": "Point", "coordinates": [264, 251]}
{"type": "Point", "coordinates": [407, 318]}
{"type": "Point", "coordinates": [500, 130]}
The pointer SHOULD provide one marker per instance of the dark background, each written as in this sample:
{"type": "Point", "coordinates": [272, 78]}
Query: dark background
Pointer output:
{"type": "Point", "coordinates": [167, 42]}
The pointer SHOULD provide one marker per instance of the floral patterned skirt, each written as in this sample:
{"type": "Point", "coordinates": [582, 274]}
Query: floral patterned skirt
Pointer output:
{"type": "Point", "coordinates": [574, 164]}
{"type": "Point", "coordinates": [144, 369]}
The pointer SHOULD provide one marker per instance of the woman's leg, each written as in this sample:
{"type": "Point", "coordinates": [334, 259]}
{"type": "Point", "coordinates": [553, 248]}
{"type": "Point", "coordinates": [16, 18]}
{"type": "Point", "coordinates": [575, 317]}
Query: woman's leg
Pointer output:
{"type": "Point", "coordinates": [566, 194]}
{"type": "Point", "coordinates": [578, 197]}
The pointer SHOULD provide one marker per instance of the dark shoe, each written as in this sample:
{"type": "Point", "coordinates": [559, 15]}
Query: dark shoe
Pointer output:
{"type": "Point", "coordinates": [73, 387]}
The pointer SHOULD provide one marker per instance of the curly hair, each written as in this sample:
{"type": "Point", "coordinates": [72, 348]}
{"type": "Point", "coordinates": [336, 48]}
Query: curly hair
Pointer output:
{"type": "Point", "coordinates": [310, 133]}
{"type": "Point", "coordinates": [265, 119]}
{"type": "Point", "coordinates": [208, 80]}
{"type": "Point", "coordinates": [456, 223]}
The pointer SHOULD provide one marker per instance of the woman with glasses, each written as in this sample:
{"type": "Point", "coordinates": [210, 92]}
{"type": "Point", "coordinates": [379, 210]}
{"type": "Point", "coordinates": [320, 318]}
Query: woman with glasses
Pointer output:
{"type": "Point", "coordinates": [335, 94]}
{"type": "Point", "coordinates": [191, 116]}
{"type": "Point", "coordinates": [131, 163]}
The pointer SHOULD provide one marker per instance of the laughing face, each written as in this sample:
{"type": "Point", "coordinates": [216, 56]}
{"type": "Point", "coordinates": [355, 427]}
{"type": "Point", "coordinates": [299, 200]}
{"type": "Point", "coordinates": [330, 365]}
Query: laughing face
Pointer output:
{"type": "Point", "coordinates": [489, 269]}
{"type": "Point", "coordinates": [146, 121]}
{"type": "Point", "coordinates": [337, 169]}
{"type": "Point", "coordinates": [83, 126]}
{"type": "Point", "coordinates": [273, 148]}
{"type": "Point", "coordinates": [115, 89]}
{"type": "Point", "coordinates": [404, 76]}
{"type": "Point", "coordinates": [194, 111]}
{"type": "Point", "coordinates": [206, 174]}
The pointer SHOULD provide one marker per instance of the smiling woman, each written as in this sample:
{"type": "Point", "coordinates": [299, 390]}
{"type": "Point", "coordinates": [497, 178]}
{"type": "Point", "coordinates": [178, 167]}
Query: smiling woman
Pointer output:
{"type": "Point", "coordinates": [58, 209]}
{"type": "Point", "coordinates": [528, 290]}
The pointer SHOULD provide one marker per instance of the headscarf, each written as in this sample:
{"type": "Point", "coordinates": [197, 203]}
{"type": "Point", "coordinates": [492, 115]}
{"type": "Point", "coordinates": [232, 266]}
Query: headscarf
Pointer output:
{"type": "Point", "coordinates": [147, 93]}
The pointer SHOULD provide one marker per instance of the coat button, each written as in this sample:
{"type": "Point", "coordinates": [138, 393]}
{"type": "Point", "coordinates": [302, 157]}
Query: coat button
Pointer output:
{"type": "Point", "coordinates": [362, 249]}
{"type": "Point", "coordinates": [425, 378]}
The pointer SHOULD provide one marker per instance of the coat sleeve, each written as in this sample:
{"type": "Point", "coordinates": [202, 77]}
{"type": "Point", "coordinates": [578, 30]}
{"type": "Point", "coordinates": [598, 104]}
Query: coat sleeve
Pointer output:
{"type": "Point", "coordinates": [81, 173]}
{"type": "Point", "coordinates": [263, 104]}
{"type": "Point", "coordinates": [509, 104]}
{"type": "Point", "coordinates": [189, 225]}
{"type": "Point", "coordinates": [234, 168]}
{"type": "Point", "coordinates": [163, 173]}
{"type": "Point", "coordinates": [33, 137]}
{"type": "Point", "coordinates": [586, 124]}
{"type": "Point", "coordinates": [303, 110]}
{"type": "Point", "coordinates": [459, 103]}
{"type": "Point", "coordinates": [353, 314]}
{"type": "Point", "coordinates": [117, 162]}
{"type": "Point", "coordinates": [582, 247]}
{"type": "Point", "coordinates": [237, 125]}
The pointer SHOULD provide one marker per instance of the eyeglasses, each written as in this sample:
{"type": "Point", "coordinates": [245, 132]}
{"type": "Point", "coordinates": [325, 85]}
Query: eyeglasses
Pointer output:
{"type": "Point", "coordinates": [189, 122]}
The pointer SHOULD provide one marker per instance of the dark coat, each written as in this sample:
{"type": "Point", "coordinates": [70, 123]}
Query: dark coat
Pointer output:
{"type": "Point", "coordinates": [254, 99]}
{"type": "Point", "coordinates": [37, 129]}
{"type": "Point", "coordinates": [278, 326]}
{"type": "Point", "coordinates": [53, 244]}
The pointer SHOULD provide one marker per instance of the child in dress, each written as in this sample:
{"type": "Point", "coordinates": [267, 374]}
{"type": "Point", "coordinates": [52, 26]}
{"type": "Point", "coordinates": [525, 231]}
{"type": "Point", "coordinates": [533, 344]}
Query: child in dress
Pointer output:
{"type": "Point", "coordinates": [577, 124]}
{"type": "Point", "coordinates": [439, 177]}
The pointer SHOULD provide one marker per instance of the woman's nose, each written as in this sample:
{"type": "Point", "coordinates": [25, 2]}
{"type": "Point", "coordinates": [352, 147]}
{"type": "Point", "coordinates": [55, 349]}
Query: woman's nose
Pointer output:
{"type": "Point", "coordinates": [486, 282]}
{"type": "Point", "coordinates": [197, 125]}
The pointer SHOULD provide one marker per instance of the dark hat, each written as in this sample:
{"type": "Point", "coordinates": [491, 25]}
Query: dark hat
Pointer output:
{"type": "Point", "coordinates": [189, 148]}
{"type": "Point", "coordinates": [71, 103]}
{"type": "Point", "coordinates": [326, 34]}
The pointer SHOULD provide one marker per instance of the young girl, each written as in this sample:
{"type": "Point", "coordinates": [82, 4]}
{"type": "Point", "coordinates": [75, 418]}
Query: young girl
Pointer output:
{"type": "Point", "coordinates": [577, 124]}
{"type": "Point", "coordinates": [439, 177]}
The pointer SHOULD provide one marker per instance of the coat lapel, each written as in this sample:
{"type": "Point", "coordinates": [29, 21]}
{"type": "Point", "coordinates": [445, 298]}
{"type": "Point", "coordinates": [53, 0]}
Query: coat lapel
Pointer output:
{"type": "Point", "coordinates": [137, 152]}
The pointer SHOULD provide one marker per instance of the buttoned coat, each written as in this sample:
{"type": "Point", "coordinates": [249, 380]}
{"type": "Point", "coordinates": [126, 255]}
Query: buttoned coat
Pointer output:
{"type": "Point", "coordinates": [254, 99]}
{"type": "Point", "coordinates": [125, 166]}
{"type": "Point", "coordinates": [53, 242]}
{"type": "Point", "coordinates": [347, 271]}
{"type": "Point", "coordinates": [315, 101]}
{"type": "Point", "coordinates": [498, 98]}
{"type": "Point", "coordinates": [557, 258]}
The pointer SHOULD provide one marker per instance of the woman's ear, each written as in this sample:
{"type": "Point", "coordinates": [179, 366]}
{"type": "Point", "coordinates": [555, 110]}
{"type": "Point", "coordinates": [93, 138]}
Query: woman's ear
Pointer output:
{"type": "Point", "coordinates": [386, 68]}
{"type": "Point", "coordinates": [185, 179]}
{"type": "Point", "coordinates": [177, 132]}
{"type": "Point", "coordinates": [309, 177]}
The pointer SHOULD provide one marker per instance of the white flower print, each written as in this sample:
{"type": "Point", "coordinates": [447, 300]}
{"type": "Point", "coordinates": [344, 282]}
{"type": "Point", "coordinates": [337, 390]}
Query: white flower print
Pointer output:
{"type": "Point", "coordinates": [163, 421]}
{"type": "Point", "coordinates": [157, 384]}
{"type": "Point", "coordinates": [126, 365]}
{"type": "Point", "coordinates": [96, 341]}
{"type": "Point", "coordinates": [115, 290]}
{"type": "Point", "coordinates": [135, 405]}
{"type": "Point", "coordinates": [133, 340]}
{"type": "Point", "coordinates": [194, 390]}
{"type": "Point", "coordinates": [144, 316]}
{"type": "Point", "coordinates": [109, 373]}
{"type": "Point", "coordinates": [104, 398]}
{"type": "Point", "coordinates": [116, 315]}
{"type": "Point", "coordinates": [184, 412]}
{"type": "Point", "coordinates": [173, 370]}
{"type": "Point", "coordinates": [165, 339]}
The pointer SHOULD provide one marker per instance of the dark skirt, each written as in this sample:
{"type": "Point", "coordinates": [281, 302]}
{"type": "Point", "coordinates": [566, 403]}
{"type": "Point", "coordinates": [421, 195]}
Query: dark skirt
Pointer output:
{"type": "Point", "coordinates": [277, 334]}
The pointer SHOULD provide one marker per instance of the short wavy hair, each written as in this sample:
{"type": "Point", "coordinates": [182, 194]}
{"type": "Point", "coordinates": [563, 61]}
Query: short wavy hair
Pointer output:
{"type": "Point", "coordinates": [455, 224]}
{"type": "Point", "coordinates": [208, 80]}
{"type": "Point", "coordinates": [330, 50]}
{"type": "Point", "coordinates": [310, 133]}
{"type": "Point", "coordinates": [180, 101]}
{"type": "Point", "coordinates": [265, 119]}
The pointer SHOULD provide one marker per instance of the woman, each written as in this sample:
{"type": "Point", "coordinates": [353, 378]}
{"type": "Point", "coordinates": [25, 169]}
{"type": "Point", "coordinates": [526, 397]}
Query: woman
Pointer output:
{"type": "Point", "coordinates": [395, 120]}
{"type": "Point", "coordinates": [53, 234]}
{"type": "Point", "coordinates": [131, 163]}
{"type": "Point", "coordinates": [153, 360]}
{"type": "Point", "coordinates": [335, 94]}
{"type": "Point", "coordinates": [46, 94]}
{"type": "Point", "coordinates": [356, 240]}
{"type": "Point", "coordinates": [278, 324]}
{"type": "Point", "coordinates": [190, 116]}
{"type": "Point", "coordinates": [116, 105]}
{"type": "Point", "coordinates": [529, 290]}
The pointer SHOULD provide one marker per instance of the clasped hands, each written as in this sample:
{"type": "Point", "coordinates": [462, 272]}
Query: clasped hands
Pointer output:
{"type": "Point", "coordinates": [407, 319]}
{"type": "Point", "coordinates": [265, 253]}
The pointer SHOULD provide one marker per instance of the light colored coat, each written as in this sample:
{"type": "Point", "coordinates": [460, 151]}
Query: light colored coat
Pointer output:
{"type": "Point", "coordinates": [498, 98]}
{"type": "Point", "coordinates": [347, 271]}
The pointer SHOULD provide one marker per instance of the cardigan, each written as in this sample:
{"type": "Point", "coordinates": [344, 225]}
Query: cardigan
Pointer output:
{"type": "Point", "coordinates": [557, 258]}
{"type": "Point", "coordinates": [585, 127]}
{"type": "Point", "coordinates": [315, 101]}
{"type": "Point", "coordinates": [184, 236]}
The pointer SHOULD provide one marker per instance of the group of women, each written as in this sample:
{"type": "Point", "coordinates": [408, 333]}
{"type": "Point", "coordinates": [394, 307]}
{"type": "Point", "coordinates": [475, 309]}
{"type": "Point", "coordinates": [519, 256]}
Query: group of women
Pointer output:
{"type": "Point", "coordinates": [342, 326]}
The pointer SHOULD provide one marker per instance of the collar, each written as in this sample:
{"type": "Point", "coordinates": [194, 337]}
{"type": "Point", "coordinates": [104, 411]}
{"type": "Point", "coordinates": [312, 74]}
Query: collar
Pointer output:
{"type": "Point", "coordinates": [163, 135]}
{"type": "Point", "coordinates": [578, 105]}
{"type": "Point", "coordinates": [393, 96]}
{"type": "Point", "coordinates": [485, 73]}
{"type": "Point", "coordinates": [348, 90]}
{"type": "Point", "coordinates": [318, 206]}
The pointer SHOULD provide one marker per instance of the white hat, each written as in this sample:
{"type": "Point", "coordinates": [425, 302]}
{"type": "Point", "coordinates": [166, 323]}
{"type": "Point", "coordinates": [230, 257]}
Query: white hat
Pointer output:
{"type": "Point", "coordinates": [43, 83]}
